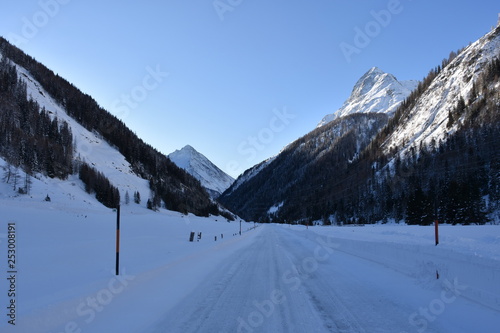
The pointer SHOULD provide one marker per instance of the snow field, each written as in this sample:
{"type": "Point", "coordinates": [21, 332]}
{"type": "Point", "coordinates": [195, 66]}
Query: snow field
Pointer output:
{"type": "Point", "coordinates": [66, 263]}
{"type": "Point", "coordinates": [293, 279]}
{"type": "Point", "coordinates": [466, 263]}
{"type": "Point", "coordinates": [276, 278]}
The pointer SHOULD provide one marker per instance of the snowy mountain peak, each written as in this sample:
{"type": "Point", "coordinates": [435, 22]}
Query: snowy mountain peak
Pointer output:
{"type": "Point", "coordinates": [375, 78]}
{"type": "Point", "coordinates": [189, 148]}
{"type": "Point", "coordinates": [210, 176]}
{"type": "Point", "coordinates": [376, 91]}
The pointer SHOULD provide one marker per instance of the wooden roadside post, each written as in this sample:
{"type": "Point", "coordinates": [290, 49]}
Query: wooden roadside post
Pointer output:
{"type": "Point", "coordinates": [117, 240]}
{"type": "Point", "coordinates": [436, 231]}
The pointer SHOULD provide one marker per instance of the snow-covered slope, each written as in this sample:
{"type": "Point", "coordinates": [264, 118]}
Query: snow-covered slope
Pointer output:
{"type": "Point", "coordinates": [89, 147]}
{"type": "Point", "coordinates": [210, 176]}
{"type": "Point", "coordinates": [376, 91]}
{"type": "Point", "coordinates": [427, 120]}
{"type": "Point", "coordinates": [302, 164]}
{"type": "Point", "coordinates": [249, 174]}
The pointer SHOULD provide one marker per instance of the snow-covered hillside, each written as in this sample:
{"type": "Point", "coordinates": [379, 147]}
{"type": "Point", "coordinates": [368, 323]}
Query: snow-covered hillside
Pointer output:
{"type": "Point", "coordinates": [427, 120]}
{"type": "Point", "coordinates": [54, 129]}
{"type": "Point", "coordinates": [89, 147]}
{"type": "Point", "coordinates": [302, 164]}
{"type": "Point", "coordinates": [210, 176]}
{"type": "Point", "coordinates": [249, 174]}
{"type": "Point", "coordinates": [376, 91]}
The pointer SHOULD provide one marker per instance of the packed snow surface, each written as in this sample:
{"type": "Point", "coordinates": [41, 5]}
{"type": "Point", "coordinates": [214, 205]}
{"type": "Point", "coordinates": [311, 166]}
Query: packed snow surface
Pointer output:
{"type": "Point", "coordinates": [274, 278]}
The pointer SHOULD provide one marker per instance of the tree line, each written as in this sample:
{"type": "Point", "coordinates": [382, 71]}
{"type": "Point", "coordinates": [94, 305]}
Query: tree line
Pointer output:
{"type": "Point", "coordinates": [29, 137]}
{"type": "Point", "coordinates": [96, 182]}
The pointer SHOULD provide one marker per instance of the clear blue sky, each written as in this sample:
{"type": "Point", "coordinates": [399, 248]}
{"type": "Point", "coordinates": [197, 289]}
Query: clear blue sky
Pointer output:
{"type": "Point", "coordinates": [245, 77]}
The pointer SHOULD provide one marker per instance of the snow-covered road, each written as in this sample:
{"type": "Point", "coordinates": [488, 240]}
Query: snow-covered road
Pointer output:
{"type": "Point", "coordinates": [298, 281]}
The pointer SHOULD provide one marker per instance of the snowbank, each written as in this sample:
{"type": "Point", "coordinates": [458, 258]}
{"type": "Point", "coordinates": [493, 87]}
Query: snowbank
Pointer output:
{"type": "Point", "coordinates": [469, 254]}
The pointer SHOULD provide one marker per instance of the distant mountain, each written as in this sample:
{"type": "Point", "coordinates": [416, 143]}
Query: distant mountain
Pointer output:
{"type": "Point", "coordinates": [50, 129]}
{"type": "Point", "coordinates": [213, 179]}
{"type": "Point", "coordinates": [430, 155]}
{"type": "Point", "coordinates": [376, 91]}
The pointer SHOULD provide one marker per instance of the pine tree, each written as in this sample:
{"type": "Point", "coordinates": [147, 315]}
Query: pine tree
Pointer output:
{"type": "Point", "coordinates": [451, 120]}
{"type": "Point", "coordinates": [137, 197]}
{"type": "Point", "coordinates": [419, 209]}
{"type": "Point", "coordinates": [27, 183]}
{"type": "Point", "coordinates": [15, 178]}
{"type": "Point", "coordinates": [96, 182]}
{"type": "Point", "coordinates": [7, 174]}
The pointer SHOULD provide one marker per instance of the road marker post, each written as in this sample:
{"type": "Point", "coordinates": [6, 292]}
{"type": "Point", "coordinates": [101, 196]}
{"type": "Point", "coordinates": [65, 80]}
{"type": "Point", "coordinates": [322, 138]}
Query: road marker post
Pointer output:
{"type": "Point", "coordinates": [117, 265]}
{"type": "Point", "coordinates": [436, 231]}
